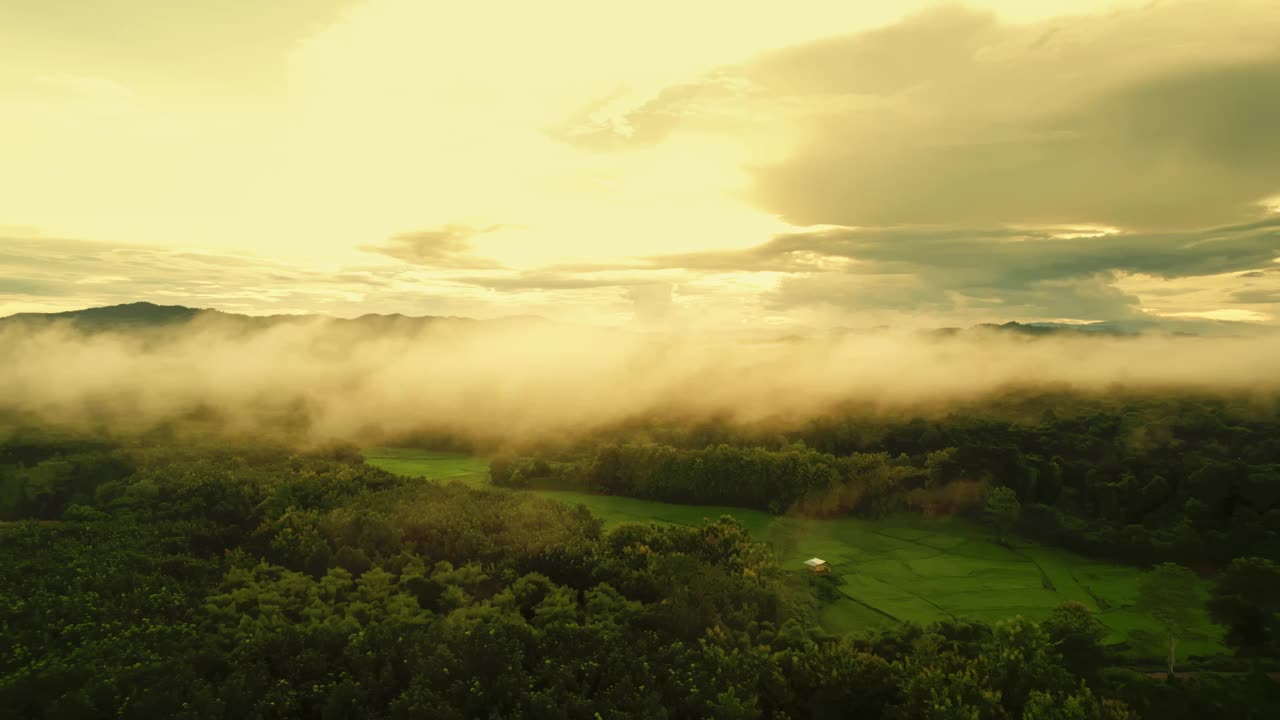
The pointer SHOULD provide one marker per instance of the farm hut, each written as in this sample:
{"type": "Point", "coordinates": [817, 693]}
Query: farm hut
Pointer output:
{"type": "Point", "coordinates": [817, 565]}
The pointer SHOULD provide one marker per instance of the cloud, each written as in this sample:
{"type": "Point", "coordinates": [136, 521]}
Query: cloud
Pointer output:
{"type": "Point", "coordinates": [649, 292]}
{"type": "Point", "coordinates": [1007, 272]}
{"type": "Point", "coordinates": [1260, 297]}
{"type": "Point", "coordinates": [1192, 149]}
{"type": "Point", "coordinates": [928, 275]}
{"type": "Point", "coordinates": [852, 291]}
{"type": "Point", "coordinates": [1088, 298]}
{"type": "Point", "coordinates": [548, 280]}
{"type": "Point", "coordinates": [513, 382]}
{"type": "Point", "coordinates": [596, 127]}
{"type": "Point", "coordinates": [448, 246]}
{"type": "Point", "coordinates": [45, 273]}
{"type": "Point", "coordinates": [1010, 256]}
{"type": "Point", "coordinates": [1151, 119]}
{"type": "Point", "coordinates": [985, 274]}
{"type": "Point", "coordinates": [1060, 272]}
{"type": "Point", "coordinates": [652, 304]}
{"type": "Point", "coordinates": [25, 286]}
{"type": "Point", "coordinates": [232, 44]}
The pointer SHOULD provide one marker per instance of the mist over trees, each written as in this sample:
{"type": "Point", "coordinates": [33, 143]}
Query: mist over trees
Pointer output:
{"type": "Point", "coordinates": [520, 382]}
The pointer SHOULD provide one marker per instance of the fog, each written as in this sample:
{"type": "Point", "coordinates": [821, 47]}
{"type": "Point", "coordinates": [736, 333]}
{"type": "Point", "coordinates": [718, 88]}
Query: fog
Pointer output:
{"type": "Point", "coordinates": [515, 383]}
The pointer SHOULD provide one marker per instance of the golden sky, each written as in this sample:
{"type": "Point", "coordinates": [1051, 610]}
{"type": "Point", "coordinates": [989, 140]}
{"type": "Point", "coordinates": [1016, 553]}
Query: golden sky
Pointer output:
{"type": "Point", "coordinates": [814, 162]}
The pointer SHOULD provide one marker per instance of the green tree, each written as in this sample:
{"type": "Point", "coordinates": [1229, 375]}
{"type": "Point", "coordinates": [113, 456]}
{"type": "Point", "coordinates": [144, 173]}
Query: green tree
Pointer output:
{"type": "Point", "coordinates": [941, 467]}
{"type": "Point", "coordinates": [1002, 511]}
{"type": "Point", "coordinates": [1168, 593]}
{"type": "Point", "coordinates": [1081, 705]}
{"type": "Point", "coordinates": [1018, 659]}
{"type": "Point", "coordinates": [946, 694]}
{"type": "Point", "coordinates": [1078, 636]}
{"type": "Point", "coordinates": [1246, 600]}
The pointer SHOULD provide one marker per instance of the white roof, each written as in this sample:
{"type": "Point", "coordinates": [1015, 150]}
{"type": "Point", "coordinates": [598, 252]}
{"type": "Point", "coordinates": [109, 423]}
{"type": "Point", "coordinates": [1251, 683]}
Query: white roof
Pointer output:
{"type": "Point", "coordinates": [815, 562]}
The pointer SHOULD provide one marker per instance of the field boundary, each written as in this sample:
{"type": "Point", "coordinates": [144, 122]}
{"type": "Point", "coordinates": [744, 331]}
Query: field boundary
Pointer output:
{"type": "Point", "coordinates": [870, 607]}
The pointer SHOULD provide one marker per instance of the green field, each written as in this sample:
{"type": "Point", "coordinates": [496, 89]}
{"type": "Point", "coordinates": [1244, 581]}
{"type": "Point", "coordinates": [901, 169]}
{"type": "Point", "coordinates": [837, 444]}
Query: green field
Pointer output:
{"type": "Point", "coordinates": [905, 568]}
{"type": "Point", "coordinates": [430, 464]}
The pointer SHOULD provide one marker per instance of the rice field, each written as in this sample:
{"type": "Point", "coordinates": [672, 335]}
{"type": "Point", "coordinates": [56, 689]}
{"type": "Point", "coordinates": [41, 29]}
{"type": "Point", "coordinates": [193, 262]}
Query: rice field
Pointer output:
{"type": "Point", "coordinates": [899, 569]}
{"type": "Point", "coordinates": [431, 465]}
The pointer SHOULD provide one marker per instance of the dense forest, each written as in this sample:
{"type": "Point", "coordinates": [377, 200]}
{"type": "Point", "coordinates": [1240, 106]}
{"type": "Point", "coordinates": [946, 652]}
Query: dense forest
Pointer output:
{"type": "Point", "coordinates": [1139, 478]}
{"type": "Point", "coordinates": [143, 578]}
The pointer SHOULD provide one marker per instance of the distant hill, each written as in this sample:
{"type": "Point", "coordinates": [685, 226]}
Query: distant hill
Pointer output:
{"type": "Point", "coordinates": [133, 315]}
{"type": "Point", "coordinates": [1041, 329]}
{"type": "Point", "coordinates": [144, 316]}
{"type": "Point", "coordinates": [1133, 328]}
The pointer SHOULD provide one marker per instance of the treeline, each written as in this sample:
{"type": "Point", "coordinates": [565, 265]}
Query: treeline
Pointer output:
{"type": "Point", "coordinates": [1136, 477]}
{"type": "Point", "coordinates": [258, 583]}
{"type": "Point", "coordinates": [792, 479]}
{"type": "Point", "coordinates": [1141, 478]}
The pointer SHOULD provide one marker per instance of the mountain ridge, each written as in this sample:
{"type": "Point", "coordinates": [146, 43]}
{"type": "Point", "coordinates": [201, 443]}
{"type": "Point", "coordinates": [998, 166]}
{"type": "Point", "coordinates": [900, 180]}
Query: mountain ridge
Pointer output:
{"type": "Point", "coordinates": [145, 315]}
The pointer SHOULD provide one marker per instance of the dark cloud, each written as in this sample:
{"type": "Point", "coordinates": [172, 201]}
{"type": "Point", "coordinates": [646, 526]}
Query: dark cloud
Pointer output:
{"type": "Point", "coordinates": [1009, 257]}
{"type": "Point", "coordinates": [1094, 297]}
{"type": "Point", "coordinates": [1259, 296]}
{"type": "Point", "coordinates": [1263, 273]}
{"type": "Point", "coordinates": [1083, 298]}
{"type": "Point", "coordinates": [444, 247]}
{"type": "Point", "coordinates": [1156, 118]}
{"type": "Point", "coordinates": [1258, 287]}
{"type": "Point", "coordinates": [1193, 148]}
{"type": "Point", "coordinates": [1020, 272]}
{"type": "Point", "coordinates": [1003, 257]}
{"type": "Point", "coordinates": [1008, 272]}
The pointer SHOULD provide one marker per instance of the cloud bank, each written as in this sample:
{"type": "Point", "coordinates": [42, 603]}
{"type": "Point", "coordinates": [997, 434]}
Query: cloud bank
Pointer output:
{"type": "Point", "coordinates": [958, 163]}
{"type": "Point", "coordinates": [502, 383]}
{"type": "Point", "coordinates": [1159, 117]}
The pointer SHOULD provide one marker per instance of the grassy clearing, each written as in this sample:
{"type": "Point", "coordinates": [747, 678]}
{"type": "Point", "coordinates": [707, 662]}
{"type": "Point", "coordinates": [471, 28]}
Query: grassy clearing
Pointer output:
{"type": "Point", "coordinates": [430, 464]}
{"type": "Point", "coordinates": [905, 568]}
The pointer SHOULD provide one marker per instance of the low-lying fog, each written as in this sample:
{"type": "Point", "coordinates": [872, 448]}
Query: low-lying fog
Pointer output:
{"type": "Point", "coordinates": [528, 382]}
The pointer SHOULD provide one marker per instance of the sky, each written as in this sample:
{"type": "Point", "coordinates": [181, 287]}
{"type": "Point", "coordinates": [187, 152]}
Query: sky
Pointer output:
{"type": "Point", "coordinates": [741, 164]}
